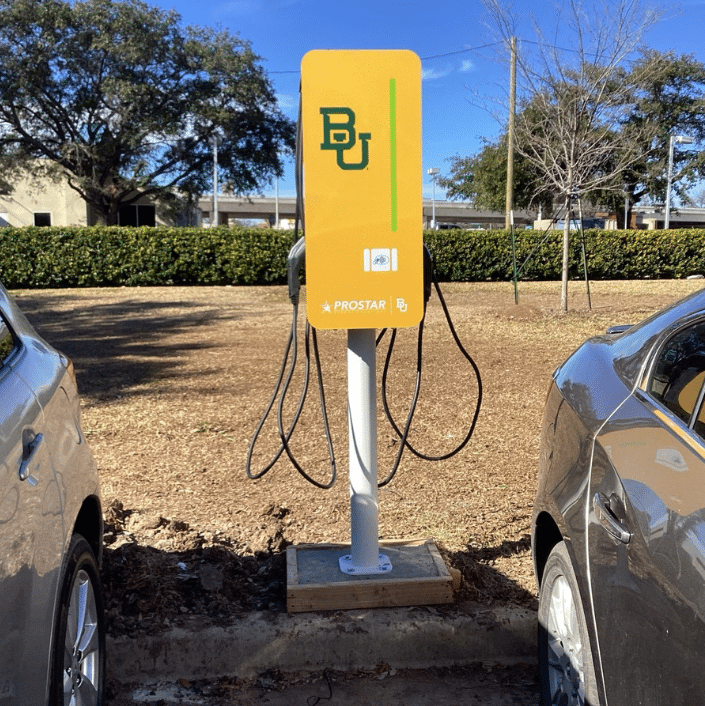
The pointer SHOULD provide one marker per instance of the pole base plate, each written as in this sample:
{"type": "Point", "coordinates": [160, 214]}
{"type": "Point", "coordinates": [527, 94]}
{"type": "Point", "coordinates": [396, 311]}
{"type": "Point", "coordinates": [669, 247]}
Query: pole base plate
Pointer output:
{"type": "Point", "coordinates": [383, 566]}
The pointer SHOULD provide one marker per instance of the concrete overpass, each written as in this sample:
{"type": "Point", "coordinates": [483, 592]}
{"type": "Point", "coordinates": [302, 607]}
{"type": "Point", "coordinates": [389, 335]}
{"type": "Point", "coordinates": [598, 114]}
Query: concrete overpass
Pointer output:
{"type": "Point", "coordinates": [653, 217]}
{"type": "Point", "coordinates": [265, 208]}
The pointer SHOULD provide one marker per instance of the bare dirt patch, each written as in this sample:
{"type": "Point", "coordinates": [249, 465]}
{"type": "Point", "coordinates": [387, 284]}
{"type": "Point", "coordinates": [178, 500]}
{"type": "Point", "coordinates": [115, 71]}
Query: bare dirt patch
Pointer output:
{"type": "Point", "coordinates": [174, 381]}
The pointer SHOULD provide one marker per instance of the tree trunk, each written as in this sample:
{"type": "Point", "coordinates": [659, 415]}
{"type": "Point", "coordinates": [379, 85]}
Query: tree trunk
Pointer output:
{"type": "Point", "coordinates": [566, 256]}
{"type": "Point", "coordinates": [106, 216]}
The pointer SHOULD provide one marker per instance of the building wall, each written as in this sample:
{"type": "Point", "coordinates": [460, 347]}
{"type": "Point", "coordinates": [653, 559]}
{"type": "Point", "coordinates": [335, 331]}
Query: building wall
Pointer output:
{"type": "Point", "coordinates": [59, 200]}
{"type": "Point", "coordinates": [64, 206]}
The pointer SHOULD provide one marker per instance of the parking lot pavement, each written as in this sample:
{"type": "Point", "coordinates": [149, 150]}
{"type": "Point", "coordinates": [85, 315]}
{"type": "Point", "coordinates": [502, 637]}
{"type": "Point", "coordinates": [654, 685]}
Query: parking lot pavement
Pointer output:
{"type": "Point", "coordinates": [478, 685]}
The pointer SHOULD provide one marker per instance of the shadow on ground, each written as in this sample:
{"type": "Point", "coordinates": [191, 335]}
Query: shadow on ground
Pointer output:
{"type": "Point", "coordinates": [118, 346]}
{"type": "Point", "coordinates": [484, 583]}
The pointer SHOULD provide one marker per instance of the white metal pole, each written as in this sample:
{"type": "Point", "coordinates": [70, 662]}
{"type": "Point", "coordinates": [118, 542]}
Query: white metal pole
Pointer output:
{"type": "Point", "coordinates": [362, 428]}
{"type": "Point", "coordinates": [681, 140]}
{"type": "Point", "coordinates": [433, 172]}
{"type": "Point", "coordinates": [215, 181]}
{"type": "Point", "coordinates": [433, 207]}
{"type": "Point", "coordinates": [276, 202]}
{"type": "Point", "coordinates": [667, 221]}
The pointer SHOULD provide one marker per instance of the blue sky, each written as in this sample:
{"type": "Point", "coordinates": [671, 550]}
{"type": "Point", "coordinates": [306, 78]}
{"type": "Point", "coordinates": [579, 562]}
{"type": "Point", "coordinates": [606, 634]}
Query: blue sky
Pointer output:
{"type": "Point", "coordinates": [447, 35]}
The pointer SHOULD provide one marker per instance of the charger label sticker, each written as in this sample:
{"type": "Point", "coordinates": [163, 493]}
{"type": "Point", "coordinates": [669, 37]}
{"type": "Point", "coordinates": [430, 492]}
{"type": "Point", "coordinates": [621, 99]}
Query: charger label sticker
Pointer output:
{"type": "Point", "coordinates": [361, 125]}
{"type": "Point", "coordinates": [381, 260]}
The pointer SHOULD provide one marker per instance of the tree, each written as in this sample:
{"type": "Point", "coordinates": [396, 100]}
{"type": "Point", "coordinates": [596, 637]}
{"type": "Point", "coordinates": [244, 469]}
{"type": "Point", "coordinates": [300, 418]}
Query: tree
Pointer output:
{"type": "Point", "coordinates": [667, 94]}
{"type": "Point", "coordinates": [669, 97]}
{"type": "Point", "coordinates": [481, 179]}
{"type": "Point", "coordinates": [122, 99]}
{"type": "Point", "coordinates": [574, 101]}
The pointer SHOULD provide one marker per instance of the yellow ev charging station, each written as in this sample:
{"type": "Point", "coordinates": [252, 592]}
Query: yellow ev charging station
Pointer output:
{"type": "Point", "coordinates": [361, 113]}
{"type": "Point", "coordinates": [359, 178]}
{"type": "Point", "coordinates": [361, 124]}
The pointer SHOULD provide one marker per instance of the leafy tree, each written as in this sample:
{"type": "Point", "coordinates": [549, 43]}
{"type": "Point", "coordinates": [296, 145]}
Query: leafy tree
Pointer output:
{"type": "Point", "coordinates": [481, 179]}
{"type": "Point", "coordinates": [123, 99]}
{"type": "Point", "coordinates": [669, 97]}
{"type": "Point", "coordinates": [664, 95]}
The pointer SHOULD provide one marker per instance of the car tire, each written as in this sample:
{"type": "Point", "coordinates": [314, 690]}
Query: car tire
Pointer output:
{"type": "Point", "coordinates": [565, 661]}
{"type": "Point", "coordinates": [78, 668]}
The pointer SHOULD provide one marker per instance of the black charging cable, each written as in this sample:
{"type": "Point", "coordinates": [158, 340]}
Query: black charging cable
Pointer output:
{"type": "Point", "coordinates": [295, 263]}
{"type": "Point", "coordinates": [404, 443]}
{"type": "Point", "coordinates": [284, 380]}
{"type": "Point", "coordinates": [403, 436]}
{"type": "Point", "coordinates": [310, 335]}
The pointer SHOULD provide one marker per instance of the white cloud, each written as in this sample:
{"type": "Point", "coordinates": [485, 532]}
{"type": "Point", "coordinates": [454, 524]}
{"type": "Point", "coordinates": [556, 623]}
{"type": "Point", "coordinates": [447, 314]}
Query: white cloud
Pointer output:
{"type": "Point", "coordinates": [467, 66]}
{"type": "Point", "coordinates": [430, 74]}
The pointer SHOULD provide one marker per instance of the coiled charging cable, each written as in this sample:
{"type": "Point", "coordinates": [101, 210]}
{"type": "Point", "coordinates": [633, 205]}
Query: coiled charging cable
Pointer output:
{"type": "Point", "coordinates": [284, 380]}
{"type": "Point", "coordinates": [295, 262]}
{"type": "Point", "coordinates": [403, 436]}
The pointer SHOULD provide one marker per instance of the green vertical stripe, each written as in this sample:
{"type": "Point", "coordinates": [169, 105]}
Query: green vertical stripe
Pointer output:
{"type": "Point", "coordinates": [393, 148]}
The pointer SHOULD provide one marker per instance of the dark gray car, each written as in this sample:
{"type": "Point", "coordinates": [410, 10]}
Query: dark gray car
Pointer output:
{"type": "Point", "coordinates": [619, 520]}
{"type": "Point", "coordinates": [52, 636]}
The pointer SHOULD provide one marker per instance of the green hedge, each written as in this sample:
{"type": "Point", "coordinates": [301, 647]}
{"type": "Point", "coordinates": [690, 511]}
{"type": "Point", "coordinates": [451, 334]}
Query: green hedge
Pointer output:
{"type": "Point", "coordinates": [91, 257]}
{"type": "Point", "coordinates": [101, 256]}
{"type": "Point", "coordinates": [632, 254]}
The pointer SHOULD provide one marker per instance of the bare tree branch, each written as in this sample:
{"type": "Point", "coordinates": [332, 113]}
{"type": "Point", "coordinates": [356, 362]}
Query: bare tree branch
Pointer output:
{"type": "Point", "coordinates": [575, 97]}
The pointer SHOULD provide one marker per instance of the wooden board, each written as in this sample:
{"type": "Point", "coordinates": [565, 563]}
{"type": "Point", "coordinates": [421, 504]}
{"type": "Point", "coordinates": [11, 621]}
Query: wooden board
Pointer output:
{"type": "Point", "coordinates": [419, 576]}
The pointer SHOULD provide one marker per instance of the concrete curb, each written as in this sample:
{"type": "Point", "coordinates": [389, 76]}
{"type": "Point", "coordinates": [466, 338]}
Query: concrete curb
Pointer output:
{"type": "Point", "coordinates": [404, 638]}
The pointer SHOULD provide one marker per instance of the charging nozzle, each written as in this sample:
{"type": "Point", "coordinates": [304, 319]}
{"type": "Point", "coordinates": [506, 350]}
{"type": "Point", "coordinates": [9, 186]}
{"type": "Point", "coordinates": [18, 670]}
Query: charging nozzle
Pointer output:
{"type": "Point", "coordinates": [294, 263]}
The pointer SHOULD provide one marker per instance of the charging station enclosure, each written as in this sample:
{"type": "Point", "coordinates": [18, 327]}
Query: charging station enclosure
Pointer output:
{"type": "Point", "coordinates": [361, 152]}
{"type": "Point", "coordinates": [361, 125]}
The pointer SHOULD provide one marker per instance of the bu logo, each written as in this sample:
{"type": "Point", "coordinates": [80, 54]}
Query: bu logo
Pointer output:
{"type": "Point", "coordinates": [339, 135]}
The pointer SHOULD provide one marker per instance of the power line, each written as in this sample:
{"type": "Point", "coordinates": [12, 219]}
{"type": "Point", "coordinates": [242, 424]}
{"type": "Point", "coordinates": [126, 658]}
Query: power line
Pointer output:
{"type": "Point", "coordinates": [460, 51]}
{"type": "Point", "coordinates": [472, 49]}
{"type": "Point", "coordinates": [423, 58]}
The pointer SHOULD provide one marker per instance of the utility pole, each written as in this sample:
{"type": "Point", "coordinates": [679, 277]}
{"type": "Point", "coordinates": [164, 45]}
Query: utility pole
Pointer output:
{"type": "Point", "coordinates": [510, 132]}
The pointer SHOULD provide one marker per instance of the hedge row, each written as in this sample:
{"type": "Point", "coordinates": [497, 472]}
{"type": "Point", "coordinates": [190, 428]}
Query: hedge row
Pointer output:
{"type": "Point", "coordinates": [91, 257]}
{"type": "Point", "coordinates": [110, 256]}
{"type": "Point", "coordinates": [626, 254]}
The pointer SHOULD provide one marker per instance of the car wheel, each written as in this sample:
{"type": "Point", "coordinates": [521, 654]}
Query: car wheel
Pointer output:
{"type": "Point", "coordinates": [565, 659]}
{"type": "Point", "coordinates": [78, 676]}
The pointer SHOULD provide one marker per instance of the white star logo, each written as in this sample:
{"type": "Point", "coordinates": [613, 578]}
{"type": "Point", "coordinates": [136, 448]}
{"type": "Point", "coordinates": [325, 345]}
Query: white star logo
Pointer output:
{"type": "Point", "coordinates": [326, 308]}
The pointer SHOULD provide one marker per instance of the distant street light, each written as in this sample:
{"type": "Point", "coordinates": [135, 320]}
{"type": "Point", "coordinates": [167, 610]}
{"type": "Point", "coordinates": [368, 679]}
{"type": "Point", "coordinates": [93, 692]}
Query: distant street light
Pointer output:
{"type": "Point", "coordinates": [433, 172]}
{"type": "Point", "coordinates": [215, 140]}
{"type": "Point", "coordinates": [681, 140]}
{"type": "Point", "coordinates": [276, 201]}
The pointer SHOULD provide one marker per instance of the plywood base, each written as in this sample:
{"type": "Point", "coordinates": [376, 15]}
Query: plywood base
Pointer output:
{"type": "Point", "coordinates": [314, 580]}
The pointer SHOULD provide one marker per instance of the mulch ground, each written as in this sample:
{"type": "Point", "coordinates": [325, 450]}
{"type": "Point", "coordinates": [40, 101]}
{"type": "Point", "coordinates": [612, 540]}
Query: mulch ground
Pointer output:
{"type": "Point", "coordinates": [175, 380]}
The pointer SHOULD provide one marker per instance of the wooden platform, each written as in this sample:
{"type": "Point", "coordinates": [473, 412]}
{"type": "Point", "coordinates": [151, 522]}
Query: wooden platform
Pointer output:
{"type": "Point", "coordinates": [314, 580]}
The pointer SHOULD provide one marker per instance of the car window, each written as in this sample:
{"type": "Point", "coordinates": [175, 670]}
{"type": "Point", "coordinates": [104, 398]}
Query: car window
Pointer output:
{"type": "Point", "coordinates": [680, 371]}
{"type": "Point", "coordinates": [7, 342]}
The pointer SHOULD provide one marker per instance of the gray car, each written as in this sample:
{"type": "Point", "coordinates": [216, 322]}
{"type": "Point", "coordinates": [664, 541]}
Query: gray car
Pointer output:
{"type": "Point", "coordinates": [52, 633]}
{"type": "Point", "coordinates": [618, 532]}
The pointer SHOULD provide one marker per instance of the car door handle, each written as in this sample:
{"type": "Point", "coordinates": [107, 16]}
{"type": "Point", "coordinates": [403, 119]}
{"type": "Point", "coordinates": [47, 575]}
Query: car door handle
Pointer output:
{"type": "Point", "coordinates": [28, 458]}
{"type": "Point", "coordinates": [608, 519]}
